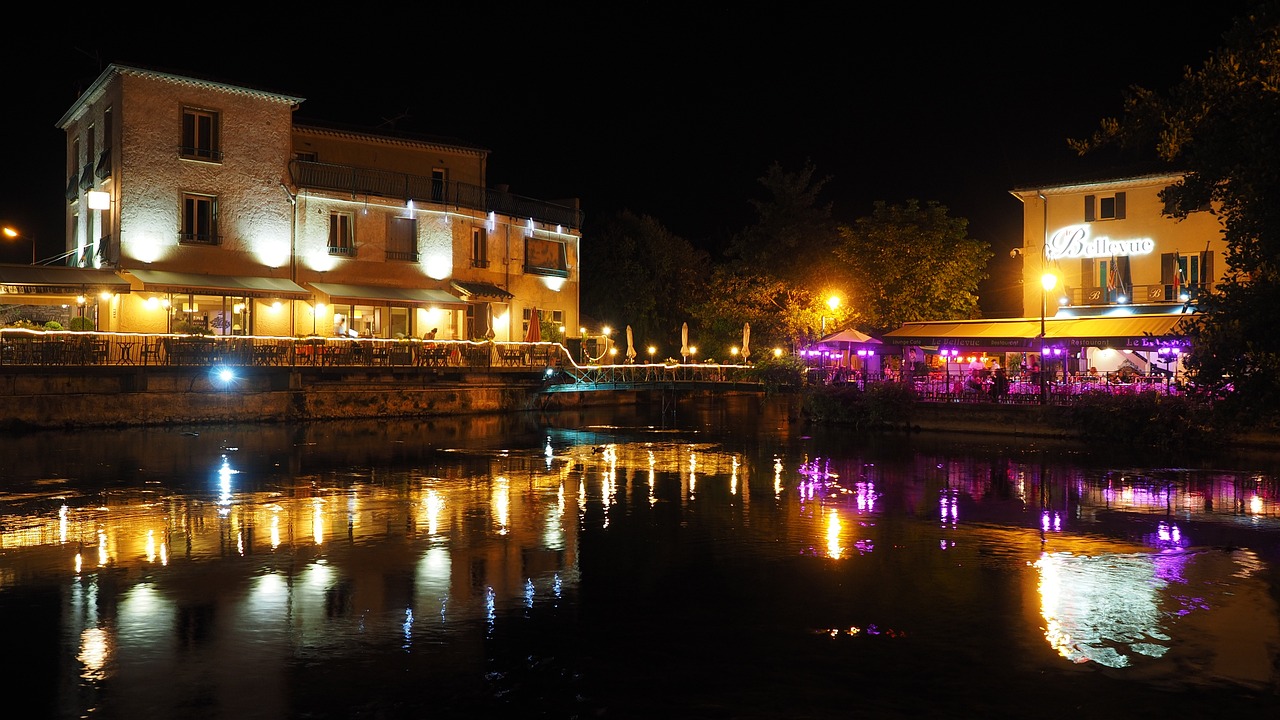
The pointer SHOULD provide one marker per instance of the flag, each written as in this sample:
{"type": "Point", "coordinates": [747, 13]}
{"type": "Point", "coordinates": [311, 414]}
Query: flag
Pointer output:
{"type": "Point", "coordinates": [1112, 275]}
{"type": "Point", "coordinates": [1177, 279]}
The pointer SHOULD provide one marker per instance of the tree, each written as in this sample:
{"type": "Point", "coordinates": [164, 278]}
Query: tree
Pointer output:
{"type": "Point", "coordinates": [635, 272]}
{"type": "Point", "coordinates": [781, 269]}
{"type": "Point", "coordinates": [1218, 125]}
{"type": "Point", "coordinates": [913, 263]}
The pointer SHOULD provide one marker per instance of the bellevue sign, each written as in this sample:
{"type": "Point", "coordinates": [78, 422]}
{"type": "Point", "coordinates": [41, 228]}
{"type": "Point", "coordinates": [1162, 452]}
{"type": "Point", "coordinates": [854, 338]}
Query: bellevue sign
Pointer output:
{"type": "Point", "coordinates": [1074, 242]}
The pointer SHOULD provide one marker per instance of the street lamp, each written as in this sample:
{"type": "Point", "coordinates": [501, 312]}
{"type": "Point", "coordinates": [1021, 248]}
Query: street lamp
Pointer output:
{"type": "Point", "coordinates": [833, 302]}
{"type": "Point", "coordinates": [14, 234]}
{"type": "Point", "coordinates": [1048, 281]}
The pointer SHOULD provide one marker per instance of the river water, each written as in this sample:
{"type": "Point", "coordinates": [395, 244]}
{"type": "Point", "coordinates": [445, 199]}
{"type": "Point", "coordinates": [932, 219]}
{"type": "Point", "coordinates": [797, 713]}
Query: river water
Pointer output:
{"type": "Point", "coordinates": [720, 561]}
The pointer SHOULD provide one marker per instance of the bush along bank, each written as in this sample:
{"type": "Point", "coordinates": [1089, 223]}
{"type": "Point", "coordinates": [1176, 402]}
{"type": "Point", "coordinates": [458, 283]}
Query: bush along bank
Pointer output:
{"type": "Point", "coordinates": [1152, 420]}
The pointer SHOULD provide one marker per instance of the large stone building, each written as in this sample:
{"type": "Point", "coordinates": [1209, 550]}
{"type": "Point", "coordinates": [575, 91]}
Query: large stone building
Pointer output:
{"type": "Point", "coordinates": [224, 215]}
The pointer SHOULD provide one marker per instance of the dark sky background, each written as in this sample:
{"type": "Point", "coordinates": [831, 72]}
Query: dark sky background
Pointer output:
{"type": "Point", "coordinates": [670, 110]}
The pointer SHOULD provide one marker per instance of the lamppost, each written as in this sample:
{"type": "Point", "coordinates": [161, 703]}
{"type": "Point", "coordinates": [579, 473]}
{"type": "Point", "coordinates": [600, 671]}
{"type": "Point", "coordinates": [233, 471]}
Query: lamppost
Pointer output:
{"type": "Point", "coordinates": [14, 234]}
{"type": "Point", "coordinates": [1048, 281]}
{"type": "Point", "coordinates": [833, 302]}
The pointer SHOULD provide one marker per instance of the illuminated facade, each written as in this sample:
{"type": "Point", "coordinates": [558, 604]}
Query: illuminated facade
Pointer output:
{"type": "Point", "coordinates": [1111, 248]}
{"type": "Point", "coordinates": [1107, 283]}
{"type": "Point", "coordinates": [225, 216]}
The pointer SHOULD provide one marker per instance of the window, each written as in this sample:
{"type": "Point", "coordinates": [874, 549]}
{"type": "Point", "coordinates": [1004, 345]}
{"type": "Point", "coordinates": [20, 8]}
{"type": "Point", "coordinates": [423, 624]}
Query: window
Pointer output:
{"type": "Point", "coordinates": [200, 219]}
{"type": "Point", "coordinates": [305, 156]}
{"type": "Point", "coordinates": [342, 234]}
{"type": "Point", "coordinates": [402, 239]}
{"type": "Point", "coordinates": [545, 257]}
{"type": "Point", "coordinates": [103, 167]}
{"type": "Point", "coordinates": [479, 247]}
{"type": "Point", "coordinates": [439, 178]}
{"type": "Point", "coordinates": [200, 135]}
{"type": "Point", "coordinates": [1104, 208]}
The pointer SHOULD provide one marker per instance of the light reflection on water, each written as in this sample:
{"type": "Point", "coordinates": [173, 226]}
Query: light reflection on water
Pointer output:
{"type": "Point", "coordinates": [572, 567]}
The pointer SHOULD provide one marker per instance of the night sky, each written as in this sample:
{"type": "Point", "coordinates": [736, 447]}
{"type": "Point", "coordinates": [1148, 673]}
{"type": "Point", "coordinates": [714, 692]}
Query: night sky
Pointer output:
{"type": "Point", "coordinates": [664, 109]}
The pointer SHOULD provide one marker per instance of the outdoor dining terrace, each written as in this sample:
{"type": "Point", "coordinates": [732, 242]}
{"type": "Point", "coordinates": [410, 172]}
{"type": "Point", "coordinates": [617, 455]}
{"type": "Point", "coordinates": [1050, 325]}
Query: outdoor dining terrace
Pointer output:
{"type": "Point", "coordinates": [1022, 388]}
{"type": "Point", "coordinates": [32, 348]}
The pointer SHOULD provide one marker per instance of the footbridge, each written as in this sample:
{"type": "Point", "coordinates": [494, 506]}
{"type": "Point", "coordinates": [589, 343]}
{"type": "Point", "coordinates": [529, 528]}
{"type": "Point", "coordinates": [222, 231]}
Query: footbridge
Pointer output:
{"type": "Point", "coordinates": [572, 377]}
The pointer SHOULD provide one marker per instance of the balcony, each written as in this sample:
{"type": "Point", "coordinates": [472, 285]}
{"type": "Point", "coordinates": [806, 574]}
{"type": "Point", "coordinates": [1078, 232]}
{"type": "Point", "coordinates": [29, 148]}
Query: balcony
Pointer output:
{"type": "Point", "coordinates": [1139, 295]}
{"type": "Point", "coordinates": [402, 186]}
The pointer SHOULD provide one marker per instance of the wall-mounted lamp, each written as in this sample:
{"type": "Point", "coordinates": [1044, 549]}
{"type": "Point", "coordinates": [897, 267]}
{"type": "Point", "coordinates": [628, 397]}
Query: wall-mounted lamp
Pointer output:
{"type": "Point", "coordinates": [98, 200]}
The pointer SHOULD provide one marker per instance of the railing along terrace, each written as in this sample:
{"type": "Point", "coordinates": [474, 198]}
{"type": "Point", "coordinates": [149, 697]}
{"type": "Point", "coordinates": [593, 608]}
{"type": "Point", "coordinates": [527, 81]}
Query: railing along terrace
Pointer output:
{"type": "Point", "coordinates": [1021, 389]}
{"type": "Point", "coordinates": [634, 374]}
{"type": "Point", "coordinates": [44, 348]}
{"type": "Point", "coordinates": [403, 186]}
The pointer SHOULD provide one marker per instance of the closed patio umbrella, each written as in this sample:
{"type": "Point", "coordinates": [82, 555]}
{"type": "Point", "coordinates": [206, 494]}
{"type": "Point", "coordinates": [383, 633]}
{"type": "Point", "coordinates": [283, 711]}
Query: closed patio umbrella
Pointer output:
{"type": "Point", "coordinates": [684, 341]}
{"type": "Point", "coordinates": [631, 348]}
{"type": "Point", "coordinates": [746, 339]}
{"type": "Point", "coordinates": [534, 333]}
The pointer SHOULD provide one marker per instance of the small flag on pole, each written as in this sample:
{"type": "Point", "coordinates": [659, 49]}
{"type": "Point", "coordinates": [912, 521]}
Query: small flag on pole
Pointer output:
{"type": "Point", "coordinates": [1112, 275]}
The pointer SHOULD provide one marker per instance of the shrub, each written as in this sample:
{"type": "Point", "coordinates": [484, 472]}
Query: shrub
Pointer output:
{"type": "Point", "coordinates": [879, 406]}
{"type": "Point", "coordinates": [778, 373]}
{"type": "Point", "coordinates": [1148, 419]}
{"type": "Point", "coordinates": [80, 324]}
{"type": "Point", "coordinates": [52, 325]}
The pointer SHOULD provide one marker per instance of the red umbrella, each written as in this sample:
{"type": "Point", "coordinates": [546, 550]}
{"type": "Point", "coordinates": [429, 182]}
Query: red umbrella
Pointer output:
{"type": "Point", "coordinates": [535, 327]}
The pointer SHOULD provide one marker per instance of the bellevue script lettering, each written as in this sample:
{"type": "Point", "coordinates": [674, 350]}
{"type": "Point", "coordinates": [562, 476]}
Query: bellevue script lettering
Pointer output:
{"type": "Point", "coordinates": [1074, 242]}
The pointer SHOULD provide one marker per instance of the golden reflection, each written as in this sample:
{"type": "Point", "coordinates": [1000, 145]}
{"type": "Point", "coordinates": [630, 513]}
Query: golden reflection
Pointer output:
{"type": "Point", "coordinates": [275, 527]}
{"type": "Point", "coordinates": [1255, 505]}
{"type": "Point", "coordinates": [777, 477]}
{"type": "Point", "coordinates": [317, 521]}
{"type": "Point", "coordinates": [240, 543]}
{"type": "Point", "coordinates": [62, 524]}
{"type": "Point", "coordinates": [502, 503]}
{"type": "Point", "coordinates": [151, 546]}
{"type": "Point", "coordinates": [433, 504]}
{"type": "Point", "coordinates": [79, 563]}
{"type": "Point", "coordinates": [693, 472]}
{"type": "Point", "coordinates": [103, 558]}
{"type": "Point", "coordinates": [653, 479]}
{"type": "Point", "coordinates": [1050, 599]}
{"type": "Point", "coordinates": [833, 535]}
{"type": "Point", "coordinates": [733, 478]}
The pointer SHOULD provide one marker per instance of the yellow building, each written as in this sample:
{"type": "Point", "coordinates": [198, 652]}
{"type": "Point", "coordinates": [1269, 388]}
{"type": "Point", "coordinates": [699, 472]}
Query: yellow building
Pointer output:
{"type": "Point", "coordinates": [226, 216]}
{"type": "Point", "coordinates": [1106, 280]}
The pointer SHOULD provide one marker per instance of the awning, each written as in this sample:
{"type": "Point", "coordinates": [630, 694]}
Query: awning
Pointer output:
{"type": "Point", "coordinates": [481, 290]}
{"type": "Point", "coordinates": [1023, 334]}
{"type": "Point", "coordinates": [234, 285]}
{"type": "Point", "coordinates": [1011, 335]}
{"type": "Point", "coordinates": [1132, 332]}
{"type": "Point", "coordinates": [58, 280]}
{"type": "Point", "coordinates": [417, 296]}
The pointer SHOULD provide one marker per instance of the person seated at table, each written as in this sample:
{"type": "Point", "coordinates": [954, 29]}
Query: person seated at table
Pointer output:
{"type": "Point", "coordinates": [431, 335]}
{"type": "Point", "coordinates": [1093, 375]}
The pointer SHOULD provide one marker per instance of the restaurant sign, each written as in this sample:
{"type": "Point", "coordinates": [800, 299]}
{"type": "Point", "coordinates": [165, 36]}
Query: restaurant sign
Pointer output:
{"type": "Point", "coordinates": [1075, 241]}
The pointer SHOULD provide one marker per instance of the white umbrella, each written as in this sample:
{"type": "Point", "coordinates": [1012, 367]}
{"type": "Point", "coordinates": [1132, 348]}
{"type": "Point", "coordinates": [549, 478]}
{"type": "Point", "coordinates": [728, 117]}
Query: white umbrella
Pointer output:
{"type": "Point", "coordinates": [684, 341]}
{"type": "Point", "coordinates": [746, 338]}
{"type": "Point", "coordinates": [631, 350]}
{"type": "Point", "coordinates": [488, 316]}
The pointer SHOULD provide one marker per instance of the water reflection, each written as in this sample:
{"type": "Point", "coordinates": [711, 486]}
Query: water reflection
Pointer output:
{"type": "Point", "coordinates": [530, 560]}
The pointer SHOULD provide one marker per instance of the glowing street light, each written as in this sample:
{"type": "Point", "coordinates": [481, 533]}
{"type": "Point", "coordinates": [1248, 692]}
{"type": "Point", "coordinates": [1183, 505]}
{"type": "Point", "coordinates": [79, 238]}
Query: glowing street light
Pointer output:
{"type": "Point", "coordinates": [833, 302]}
{"type": "Point", "coordinates": [14, 234]}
